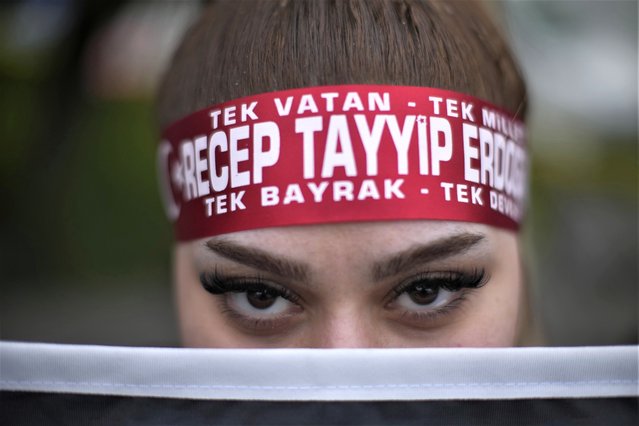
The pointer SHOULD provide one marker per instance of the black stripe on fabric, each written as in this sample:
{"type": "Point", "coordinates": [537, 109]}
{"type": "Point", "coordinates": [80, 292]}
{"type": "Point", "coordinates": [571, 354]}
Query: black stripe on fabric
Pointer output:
{"type": "Point", "coordinates": [35, 408]}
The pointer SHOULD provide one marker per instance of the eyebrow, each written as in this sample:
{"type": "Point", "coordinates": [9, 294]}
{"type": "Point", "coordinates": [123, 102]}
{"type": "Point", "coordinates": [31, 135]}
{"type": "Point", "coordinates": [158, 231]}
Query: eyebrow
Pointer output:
{"type": "Point", "coordinates": [439, 249]}
{"type": "Point", "coordinates": [261, 260]}
{"type": "Point", "coordinates": [258, 259]}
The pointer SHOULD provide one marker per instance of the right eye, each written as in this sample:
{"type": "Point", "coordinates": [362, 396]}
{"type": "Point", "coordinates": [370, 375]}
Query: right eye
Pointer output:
{"type": "Point", "coordinates": [251, 302]}
{"type": "Point", "coordinates": [260, 301]}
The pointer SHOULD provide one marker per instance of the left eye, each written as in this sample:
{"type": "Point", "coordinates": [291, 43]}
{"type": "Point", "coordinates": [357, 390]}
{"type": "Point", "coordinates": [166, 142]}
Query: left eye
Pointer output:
{"type": "Point", "coordinates": [424, 296]}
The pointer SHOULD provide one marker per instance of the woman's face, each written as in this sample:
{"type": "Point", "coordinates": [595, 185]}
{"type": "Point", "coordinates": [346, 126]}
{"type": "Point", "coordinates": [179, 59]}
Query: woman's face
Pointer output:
{"type": "Point", "coordinates": [383, 284]}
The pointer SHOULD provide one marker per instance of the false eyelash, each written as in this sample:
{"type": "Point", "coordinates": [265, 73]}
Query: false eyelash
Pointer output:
{"type": "Point", "coordinates": [452, 281]}
{"type": "Point", "coordinates": [219, 284]}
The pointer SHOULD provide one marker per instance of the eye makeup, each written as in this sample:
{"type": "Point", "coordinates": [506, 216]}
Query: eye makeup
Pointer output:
{"type": "Point", "coordinates": [218, 283]}
{"type": "Point", "coordinates": [425, 298]}
{"type": "Point", "coordinates": [260, 306]}
{"type": "Point", "coordinates": [450, 280]}
{"type": "Point", "coordinates": [253, 303]}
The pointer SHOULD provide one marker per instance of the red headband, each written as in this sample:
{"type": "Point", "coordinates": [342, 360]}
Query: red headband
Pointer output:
{"type": "Point", "coordinates": [342, 154]}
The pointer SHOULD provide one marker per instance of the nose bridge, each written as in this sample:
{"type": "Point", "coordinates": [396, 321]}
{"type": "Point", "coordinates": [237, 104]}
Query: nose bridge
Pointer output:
{"type": "Point", "coordinates": [347, 327]}
{"type": "Point", "coordinates": [344, 314]}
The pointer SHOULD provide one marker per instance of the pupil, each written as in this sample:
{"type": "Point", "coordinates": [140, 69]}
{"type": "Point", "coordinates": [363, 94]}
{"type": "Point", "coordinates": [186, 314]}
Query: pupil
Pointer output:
{"type": "Point", "coordinates": [423, 294]}
{"type": "Point", "coordinates": [261, 299]}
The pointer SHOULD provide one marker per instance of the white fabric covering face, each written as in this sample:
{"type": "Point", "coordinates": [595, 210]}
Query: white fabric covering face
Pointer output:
{"type": "Point", "coordinates": [321, 374]}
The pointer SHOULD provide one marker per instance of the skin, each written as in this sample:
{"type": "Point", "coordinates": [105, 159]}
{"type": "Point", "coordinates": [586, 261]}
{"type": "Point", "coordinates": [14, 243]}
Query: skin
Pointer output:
{"type": "Point", "coordinates": [344, 298]}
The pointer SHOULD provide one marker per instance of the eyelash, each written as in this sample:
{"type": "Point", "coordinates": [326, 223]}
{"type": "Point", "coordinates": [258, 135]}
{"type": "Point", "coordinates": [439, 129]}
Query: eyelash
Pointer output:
{"type": "Point", "coordinates": [218, 284]}
{"type": "Point", "coordinates": [453, 281]}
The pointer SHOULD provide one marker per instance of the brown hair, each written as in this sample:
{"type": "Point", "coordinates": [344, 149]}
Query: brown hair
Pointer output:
{"type": "Point", "coordinates": [243, 47]}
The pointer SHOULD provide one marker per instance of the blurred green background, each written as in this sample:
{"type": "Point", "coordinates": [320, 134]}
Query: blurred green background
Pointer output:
{"type": "Point", "coordinates": [85, 247]}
